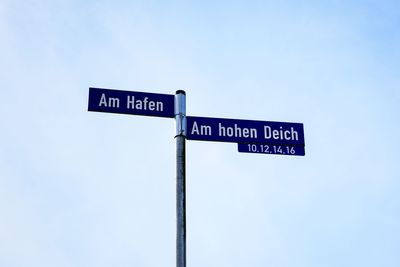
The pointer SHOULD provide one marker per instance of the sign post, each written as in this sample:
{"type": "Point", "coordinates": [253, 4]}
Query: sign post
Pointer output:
{"type": "Point", "coordinates": [266, 137]}
{"type": "Point", "coordinates": [180, 119]}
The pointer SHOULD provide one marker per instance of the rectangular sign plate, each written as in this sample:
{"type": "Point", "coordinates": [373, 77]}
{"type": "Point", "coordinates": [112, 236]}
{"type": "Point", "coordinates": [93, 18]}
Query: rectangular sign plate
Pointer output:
{"type": "Point", "coordinates": [290, 150]}
{"type": "Point", "coordinates": [245, 131]}
{"type": "Point", "coordinates": [128, 102]}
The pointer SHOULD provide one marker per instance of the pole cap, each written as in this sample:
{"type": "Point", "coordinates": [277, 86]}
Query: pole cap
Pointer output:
{"type": "Point", "coordinates": [181, 92]}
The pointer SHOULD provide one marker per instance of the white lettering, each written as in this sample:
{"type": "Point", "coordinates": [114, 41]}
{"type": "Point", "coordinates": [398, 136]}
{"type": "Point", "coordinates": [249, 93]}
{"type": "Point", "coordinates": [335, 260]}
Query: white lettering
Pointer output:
{"type": "Point", "coordinates": [287, 135]}
{"type": "Point", "coordinates": [221, 130]}
{"type": "Point", "coordinates": [267, 132]}
{"type": "Point", "coordinates": [205, 130]}
{"type": "Point", "coordinates": [236, 131]}
{"type": "Point", "coordinates": [275, 134]}
{"type": "Point", "coordinates": [295, 134]}
{"type": "Point", "coordinates": [195, 129]}
{"type": "Point", "coordinates": [151, 105]}
{"type": "Point", "coordinates": [130, 102]}
{"type": "Point", "coordinates": [280, 134]}
{"type": "Point", "coordinates": [245, 132]}
{"type": "Point", "coordinates": [145, 104]}
{"type": "Point", "coordinates": [253, 132]}
{"type": "Point", "coordinates": [159, 106]}
{"type": "Point", "coordinates": [139, 104]}
{"type": "Point", "coordinates": [229, 131]}
{"type": "Point", "coordinates": [103, 100]}
{"type": "Point", "coordinates": [112, 101]}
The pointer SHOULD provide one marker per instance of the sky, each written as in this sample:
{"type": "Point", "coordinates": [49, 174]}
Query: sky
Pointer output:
{"type": "Point", "coordinates": [80, 189]}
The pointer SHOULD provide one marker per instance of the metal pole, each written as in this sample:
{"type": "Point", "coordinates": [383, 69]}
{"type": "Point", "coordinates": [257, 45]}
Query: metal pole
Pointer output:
{"type": "Point", "coordinates": [180, 119]}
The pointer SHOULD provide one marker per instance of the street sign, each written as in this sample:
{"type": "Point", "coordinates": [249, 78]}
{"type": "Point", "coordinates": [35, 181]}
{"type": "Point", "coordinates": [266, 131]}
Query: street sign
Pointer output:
{"type": "Point", "coordinates": [267, 137]}
{"type": "Point", "coordinates": [290, 150]}
{"type": "Point", "coordinates": [128, 102]}
{"type": "Point", "coordinates": [244, 131]}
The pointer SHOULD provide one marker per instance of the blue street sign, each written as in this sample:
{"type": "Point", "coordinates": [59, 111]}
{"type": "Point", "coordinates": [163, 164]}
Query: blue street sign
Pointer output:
{"type": "Point", "coordinates": [290, 150]}
{"type": "Point", "coordinates": [245, 131]}
{"type": "Point", "coordinates": [128, 102]}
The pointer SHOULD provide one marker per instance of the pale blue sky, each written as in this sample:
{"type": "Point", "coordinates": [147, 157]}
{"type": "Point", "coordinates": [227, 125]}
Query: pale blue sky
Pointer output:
{"type": "Point", "coordinates": [95, 189]}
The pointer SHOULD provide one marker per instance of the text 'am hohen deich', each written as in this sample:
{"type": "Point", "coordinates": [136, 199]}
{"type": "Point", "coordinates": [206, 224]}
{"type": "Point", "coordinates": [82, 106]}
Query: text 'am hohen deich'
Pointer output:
{"type": "Point", "coordinates": [232, 130]}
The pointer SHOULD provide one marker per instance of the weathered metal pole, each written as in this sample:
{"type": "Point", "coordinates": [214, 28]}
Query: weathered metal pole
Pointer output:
{"type": "Point", "coordinates": [180, 118]}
